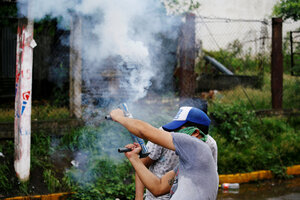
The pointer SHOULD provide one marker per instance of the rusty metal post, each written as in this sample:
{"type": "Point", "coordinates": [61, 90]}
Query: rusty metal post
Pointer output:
{"type": "Point", "coordinates": [277, 64]}
{"type": "Point", "coordinates": [292, 49]}
{"type": "Point", "coordinates": [75, 67]}
{"type": "Point", "coordinates": [187, 56]}
{"type": "Point", "coordinates": [23, 97]}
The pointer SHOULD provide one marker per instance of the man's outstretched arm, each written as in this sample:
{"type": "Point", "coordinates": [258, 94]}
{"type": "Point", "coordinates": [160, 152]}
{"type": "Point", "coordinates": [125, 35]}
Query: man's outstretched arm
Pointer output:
{"type": "Point", "coordinates": [157, 186]}
{"type": "Point", "coordinates": [143, 130]}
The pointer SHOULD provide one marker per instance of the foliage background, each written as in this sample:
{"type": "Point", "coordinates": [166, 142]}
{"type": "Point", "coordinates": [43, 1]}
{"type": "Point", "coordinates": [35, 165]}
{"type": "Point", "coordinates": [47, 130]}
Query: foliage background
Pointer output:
{"type": "Point", "coordinates": [246, 141]}
{"type": "Point", "coordinates": [287, 9]}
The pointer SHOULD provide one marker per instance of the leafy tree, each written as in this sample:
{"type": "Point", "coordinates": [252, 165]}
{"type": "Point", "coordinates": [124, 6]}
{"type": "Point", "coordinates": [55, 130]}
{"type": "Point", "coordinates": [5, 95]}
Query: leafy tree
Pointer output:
{"type": "Point", "coordinates": [181, 6]}
{"type": "Point", "coordinates": [287, 9]}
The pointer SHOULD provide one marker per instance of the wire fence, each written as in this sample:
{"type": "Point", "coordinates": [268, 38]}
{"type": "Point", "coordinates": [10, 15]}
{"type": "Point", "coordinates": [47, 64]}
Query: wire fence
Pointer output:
{"type": "Point", "coordinates": [244, 47]}
{"type": "Point", "coordinates": [217, 33]}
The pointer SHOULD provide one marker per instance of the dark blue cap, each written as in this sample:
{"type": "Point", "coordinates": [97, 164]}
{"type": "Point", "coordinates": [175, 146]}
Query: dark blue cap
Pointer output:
{"type": "Point", "coordinates": [187, 114]}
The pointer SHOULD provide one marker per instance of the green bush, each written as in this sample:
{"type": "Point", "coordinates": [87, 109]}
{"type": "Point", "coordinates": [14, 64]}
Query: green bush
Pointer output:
{"type": "Point", "coordinates": [103, 179]}
{"type": "Point", "coordinates": [240, 61]}
{"type": "Point", "coordinates": [291, 87]}
{"type": "Point", "coordinates": [234, 121]}
{"type": "Point", "coordinates": [102, 173]}
{"type": "Point", "coordinates": [247, 143]}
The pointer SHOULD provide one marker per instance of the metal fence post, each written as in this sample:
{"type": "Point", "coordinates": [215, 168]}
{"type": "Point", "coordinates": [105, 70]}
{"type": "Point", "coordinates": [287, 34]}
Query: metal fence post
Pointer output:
{"type": "Point", "coordinates": [187, 56]}
{"type": "Point", "coordinates": [75, 67]}
{"type": "Point", "coordinates": [277, 64]}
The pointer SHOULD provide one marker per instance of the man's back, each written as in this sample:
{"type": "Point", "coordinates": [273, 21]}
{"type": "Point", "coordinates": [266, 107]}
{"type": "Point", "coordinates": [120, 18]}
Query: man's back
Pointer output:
{"type": "Point", "coordinates": [197, 178]}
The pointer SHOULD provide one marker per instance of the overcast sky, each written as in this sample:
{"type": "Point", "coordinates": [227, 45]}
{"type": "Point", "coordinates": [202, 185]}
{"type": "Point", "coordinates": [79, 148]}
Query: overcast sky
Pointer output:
{"type": "Point", "coordinates": [246, 9]}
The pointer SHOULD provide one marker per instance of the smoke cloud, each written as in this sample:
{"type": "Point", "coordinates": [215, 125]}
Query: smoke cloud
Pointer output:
{"type": "Point", "coordinates": [131, 42]}
{"type": "Point", "coordinates": [120, 36]}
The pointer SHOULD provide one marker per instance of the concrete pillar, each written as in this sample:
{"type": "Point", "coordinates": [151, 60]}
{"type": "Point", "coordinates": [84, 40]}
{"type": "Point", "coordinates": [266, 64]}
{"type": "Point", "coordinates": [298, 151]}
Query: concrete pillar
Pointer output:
{"type": "Point", "coordinates": [187, 56]}
{"type": "Point", "coordinates": [75, 67]}
{"type": "Point", "coordinates": [23, 92]}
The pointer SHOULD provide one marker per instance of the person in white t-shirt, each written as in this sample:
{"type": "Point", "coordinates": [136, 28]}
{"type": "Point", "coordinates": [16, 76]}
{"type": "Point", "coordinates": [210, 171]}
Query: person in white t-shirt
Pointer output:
{"type": "Point", "coordinates": [198, 177]}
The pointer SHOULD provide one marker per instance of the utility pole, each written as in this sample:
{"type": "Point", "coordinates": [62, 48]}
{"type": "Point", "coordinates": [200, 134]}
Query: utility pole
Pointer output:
{"type": "Point", "coordinates": [23, 94]}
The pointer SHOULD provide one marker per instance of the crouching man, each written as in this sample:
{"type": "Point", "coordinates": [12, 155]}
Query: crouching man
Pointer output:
{"type": "Point", "coordinates": [196, 176]}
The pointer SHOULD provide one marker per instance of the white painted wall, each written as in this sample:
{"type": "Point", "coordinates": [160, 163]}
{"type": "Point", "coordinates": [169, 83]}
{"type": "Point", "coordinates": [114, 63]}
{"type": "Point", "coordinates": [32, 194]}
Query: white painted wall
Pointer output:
{"type": "Point", "coordinates": [216, 33]}
{"type": "Point", "coordinates": [246, 9]}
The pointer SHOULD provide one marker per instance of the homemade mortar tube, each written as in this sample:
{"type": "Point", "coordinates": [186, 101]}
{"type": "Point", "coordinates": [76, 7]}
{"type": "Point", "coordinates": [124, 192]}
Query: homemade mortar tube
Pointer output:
{"type": "Point", "coordinates": [144, 152]}
{"type": "Point", "coordinates": [123, 150]}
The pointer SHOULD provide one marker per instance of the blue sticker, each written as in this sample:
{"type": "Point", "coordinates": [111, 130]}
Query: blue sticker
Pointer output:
{"type": "Point", "coordinates": [16, 89]}
{"type": "Point", "coordinates": [23, 107]}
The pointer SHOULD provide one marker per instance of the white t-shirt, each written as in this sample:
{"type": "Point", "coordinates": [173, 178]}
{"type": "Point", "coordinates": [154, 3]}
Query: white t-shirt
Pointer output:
{"type": "Point", "coordinates": [197, 175]}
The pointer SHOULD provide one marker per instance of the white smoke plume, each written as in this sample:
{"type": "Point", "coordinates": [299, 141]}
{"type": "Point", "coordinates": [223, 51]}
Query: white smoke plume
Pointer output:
{"type": "Point", "coordinates": [124, 30]}
{"type": "Point", "coordinates": [132, 37]}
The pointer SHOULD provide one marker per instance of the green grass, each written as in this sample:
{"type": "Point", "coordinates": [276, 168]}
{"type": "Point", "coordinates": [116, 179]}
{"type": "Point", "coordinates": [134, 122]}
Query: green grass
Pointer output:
{"type": "Point", "coordinates": [38, 112]}
{"type": "Point", "coordinates": [42, 172]}
{"type": "Point", "coordinates": [257, 99]}
{"type": "Point", "coordinates": [103, 173]}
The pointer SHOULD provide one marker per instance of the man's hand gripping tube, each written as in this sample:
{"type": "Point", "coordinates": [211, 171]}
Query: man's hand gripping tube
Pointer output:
{"type": "Point", "coordinates": [144, 152]}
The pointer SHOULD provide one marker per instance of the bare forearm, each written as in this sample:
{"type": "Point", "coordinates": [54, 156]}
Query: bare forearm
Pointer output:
{"type": "Point", "coordinates": [146, 131]}
{"type": "Point", "coordinates": [135, 126]}
{"type": "Point", "coordinates": [146, 177]}
{"type": "Point", "coordinates": [139, 188]}
{"type": "Point", "coordinates": [157, 186]}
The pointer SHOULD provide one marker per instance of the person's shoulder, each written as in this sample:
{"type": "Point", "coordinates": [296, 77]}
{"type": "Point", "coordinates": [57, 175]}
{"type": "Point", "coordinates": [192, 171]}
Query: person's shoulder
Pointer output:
{"type": "Point", "coordinates": [181, 135]}
{"type": "Point", "coordinates": [211, 138]}
{"type": "Point", "coordinates": [184, 138]}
